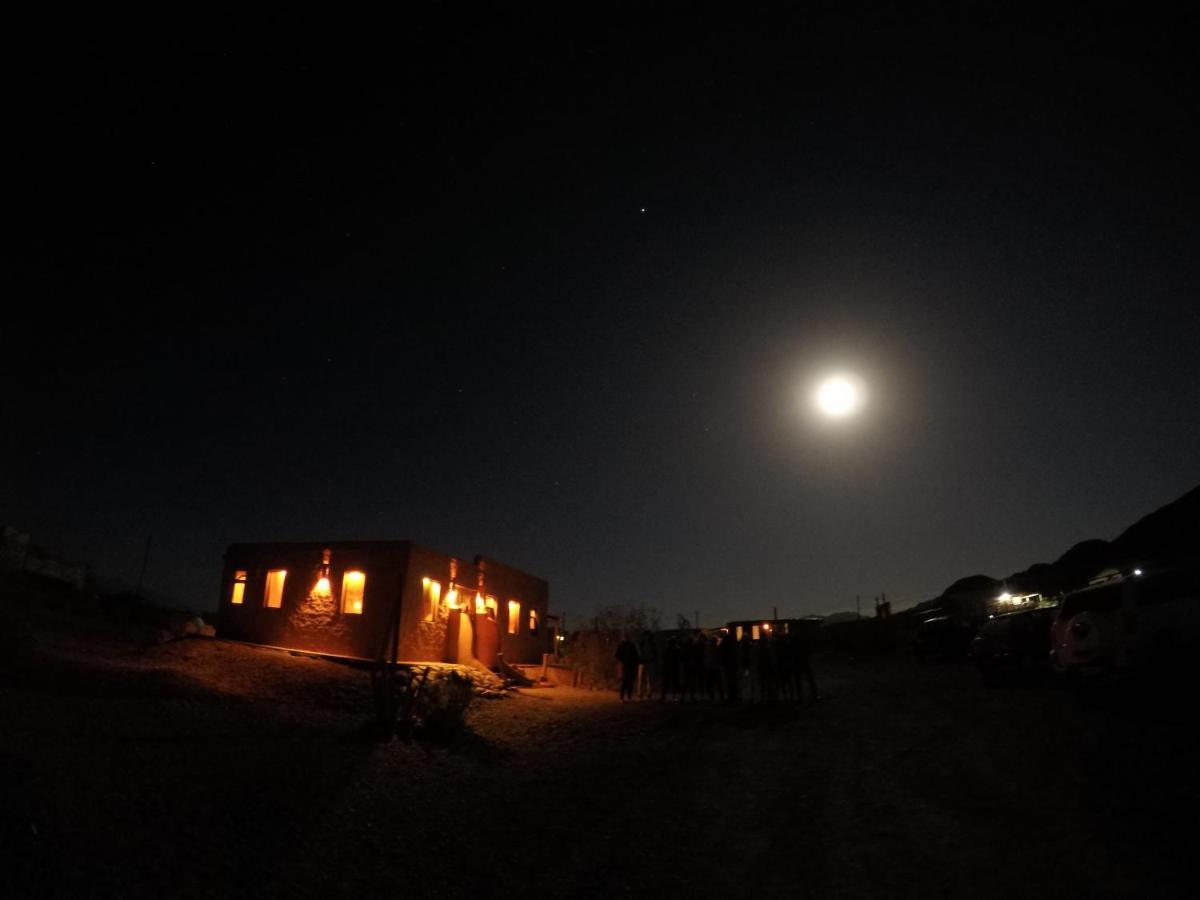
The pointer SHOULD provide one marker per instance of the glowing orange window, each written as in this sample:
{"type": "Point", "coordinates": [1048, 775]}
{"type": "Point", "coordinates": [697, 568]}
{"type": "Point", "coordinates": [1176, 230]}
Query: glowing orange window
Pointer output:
{"type": "Point", "coordinates": [431, 595]}
{"type": "Point", "coordinates": [273, 595]}
{"type": "Point", "coordinates": [354, 584]}
{"type": "Point", "coordinates": [239, 587]}
{"type": "Point", "coordinates": [533, 621]}
{"type": "Point", "coordinates": [485, 605]}
{"type": "Point", "coordinates": [514, 617]}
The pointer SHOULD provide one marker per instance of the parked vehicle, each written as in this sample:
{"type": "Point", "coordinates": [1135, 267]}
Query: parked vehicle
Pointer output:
{"type": "Point", "coordinates": [1131, 621]}
{"type": "Point", "coordinates": [942, 638]}
{"type": "Point", "coordinates": [1014, 644]}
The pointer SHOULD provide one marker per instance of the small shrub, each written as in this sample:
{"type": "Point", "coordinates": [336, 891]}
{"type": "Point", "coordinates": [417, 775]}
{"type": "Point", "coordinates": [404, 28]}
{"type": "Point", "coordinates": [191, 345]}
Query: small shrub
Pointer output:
{"type": "Point", "coordinates": [441, 706]}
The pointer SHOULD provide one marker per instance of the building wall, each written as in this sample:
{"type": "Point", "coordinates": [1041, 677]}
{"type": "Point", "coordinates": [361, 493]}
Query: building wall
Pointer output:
{"type": "Point", "coordinates": [395, 571]}
{"type": "Point", "coordinates": [422, 638]}
{"type": "Point", "coordinates": [507, 583]}
{"type": "Point", "coordinates": [425, 639]}
{"type": "Point", "coordinates": [309, 619]}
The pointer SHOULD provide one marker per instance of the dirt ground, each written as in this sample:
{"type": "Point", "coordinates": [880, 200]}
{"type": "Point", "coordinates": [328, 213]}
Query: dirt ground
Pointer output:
{"type": "Point", "coordinates": [200, 768]}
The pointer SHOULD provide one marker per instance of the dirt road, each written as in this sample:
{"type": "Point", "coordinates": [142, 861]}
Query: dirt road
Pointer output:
{"type": "Point", "coordinates": [202, 768]}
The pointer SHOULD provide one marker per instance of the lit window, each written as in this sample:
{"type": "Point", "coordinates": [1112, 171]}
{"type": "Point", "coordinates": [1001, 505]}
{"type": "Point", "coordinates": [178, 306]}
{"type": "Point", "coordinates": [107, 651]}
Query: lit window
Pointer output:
{"type": "Point", "coordinates": [239, 586]}
{"type": "Point", "coordinates": [514, 617]}
{"type": "Point", "coordinates": [431, 593]}
{"type": "Point", "coordinates": [353, 585]}
{"type": "Point", "coordinates": [533, 622]}
{"type": "Point", "coordinates": [754, 633]}
{"type": "Point", "coordinates": [485, 605]}
{"type": "Point", "coordinates": [273, 595]}
{"type": "Point", "coordinates": [739, 632]}
{"type": "Point", "coordinates": [452, 598]}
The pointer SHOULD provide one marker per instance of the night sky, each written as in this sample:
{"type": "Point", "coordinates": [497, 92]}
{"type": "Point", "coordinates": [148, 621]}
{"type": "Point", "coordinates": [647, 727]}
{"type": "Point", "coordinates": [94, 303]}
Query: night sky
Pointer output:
{"type": "Point", "coordinates": [557, 291]}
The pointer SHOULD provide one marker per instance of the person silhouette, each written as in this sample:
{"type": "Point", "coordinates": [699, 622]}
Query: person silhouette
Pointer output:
{"type": "Point", "coordinates": [802, 666]}
{"type": "Point", "coordinates": [729, 665]}
{"type": "Point", "coordinates": [627, 655]}
{"type": "Point", "coordinates": [671, 665]}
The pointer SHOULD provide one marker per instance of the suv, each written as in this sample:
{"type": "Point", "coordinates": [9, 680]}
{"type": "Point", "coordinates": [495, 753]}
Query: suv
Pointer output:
{"type": "Point", "coordinates": [1015, 643]}
{"type": "Point", "coordinates": [1127, 622]}
{"type": "Point", "coordinates": [941, 638]}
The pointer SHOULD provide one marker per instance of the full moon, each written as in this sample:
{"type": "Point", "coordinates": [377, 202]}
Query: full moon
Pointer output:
{"type": "Point", "coordinates": [838, 397]}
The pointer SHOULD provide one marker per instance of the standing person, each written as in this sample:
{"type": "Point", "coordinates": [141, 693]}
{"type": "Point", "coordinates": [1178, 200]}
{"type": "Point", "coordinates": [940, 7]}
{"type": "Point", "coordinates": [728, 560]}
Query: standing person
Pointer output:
{"type": "Point", "coordinates": [712, 669]}
{"type": "Point", "coordinates": [785, 657]}
{"type": "Point", "coordinates": [685, 665]}
{"type": "Point", "coordinates": [627, 655]}
{"type": "Point", "coordinates": [649, 653]}
{"type": "Point", "coordinates": [695, 653]}
{"type": "Point", "coordinates": [729, 664]}
{"type": "Point", "coordinates": [746, 673]}
{"type": "Point", "coordinates": [766, 667]}
{"type": "Point", "coordinates": [803, 667]}
{"type": "Point", "coordinates": [670, 668]}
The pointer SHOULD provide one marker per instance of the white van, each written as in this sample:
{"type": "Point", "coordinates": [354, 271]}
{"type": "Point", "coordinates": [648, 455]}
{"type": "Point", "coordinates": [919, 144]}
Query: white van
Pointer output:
{"type": "Point", "coordinates": [1129, 621]}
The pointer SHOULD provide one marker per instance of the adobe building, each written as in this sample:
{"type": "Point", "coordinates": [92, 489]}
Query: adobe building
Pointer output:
{"type": "Point", "coordinates": [345, 598]}
{"type": "Point", "coordinates": [760, 628]}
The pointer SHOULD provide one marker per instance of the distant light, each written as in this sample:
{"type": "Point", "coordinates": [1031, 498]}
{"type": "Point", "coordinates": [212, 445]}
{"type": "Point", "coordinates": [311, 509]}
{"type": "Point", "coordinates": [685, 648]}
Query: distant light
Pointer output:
{"type": "Point", "coordinates": [1137, 571]}
{"type": "Point", "coordinates": [1005, 597]}
{"type": "Point", "coordinates": [838, 396]}
{"type": "Point", "coordinates": [643, 209]}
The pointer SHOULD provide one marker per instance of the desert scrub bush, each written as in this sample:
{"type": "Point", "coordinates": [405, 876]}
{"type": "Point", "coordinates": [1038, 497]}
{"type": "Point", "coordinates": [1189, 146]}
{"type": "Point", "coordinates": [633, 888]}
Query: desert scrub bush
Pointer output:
{"type": "Point", "coordinates": [591, 651]}
{"type": "Point", "coordinates": [441, 705]}
{"type": "Point", "coordinates": [592, 655]}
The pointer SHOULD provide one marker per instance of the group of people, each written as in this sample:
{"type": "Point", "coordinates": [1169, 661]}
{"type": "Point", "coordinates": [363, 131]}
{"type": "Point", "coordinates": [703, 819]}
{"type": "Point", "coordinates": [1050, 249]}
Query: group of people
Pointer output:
{"type": "Point", "coordinates": [707, 666]}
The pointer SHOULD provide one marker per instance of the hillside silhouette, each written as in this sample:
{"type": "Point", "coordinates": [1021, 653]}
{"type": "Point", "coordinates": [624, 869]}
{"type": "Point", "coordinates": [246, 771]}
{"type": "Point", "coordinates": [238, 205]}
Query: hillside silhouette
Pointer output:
{"type": "Point", "coordinates": [1168, 536]}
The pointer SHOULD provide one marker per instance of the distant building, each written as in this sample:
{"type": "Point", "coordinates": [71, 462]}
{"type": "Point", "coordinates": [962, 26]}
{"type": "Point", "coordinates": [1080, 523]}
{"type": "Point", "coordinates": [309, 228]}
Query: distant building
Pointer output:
{"type": "Point", "coordinates": [759, 628]}
{"type": "Point", "coordinates": [17, 554]}
{"type": "Point", "coordinates": [353, 599]}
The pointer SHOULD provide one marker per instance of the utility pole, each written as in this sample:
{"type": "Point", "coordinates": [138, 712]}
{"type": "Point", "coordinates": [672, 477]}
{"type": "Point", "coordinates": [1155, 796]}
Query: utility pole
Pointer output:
{"type": "Point", "coordinates": [858, 605]}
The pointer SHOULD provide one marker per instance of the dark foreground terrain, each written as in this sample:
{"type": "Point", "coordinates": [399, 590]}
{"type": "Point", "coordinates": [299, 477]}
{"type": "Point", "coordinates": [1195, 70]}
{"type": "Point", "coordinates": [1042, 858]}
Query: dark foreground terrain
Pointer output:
{"type": "Point", "coordinates": [200, 768]}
